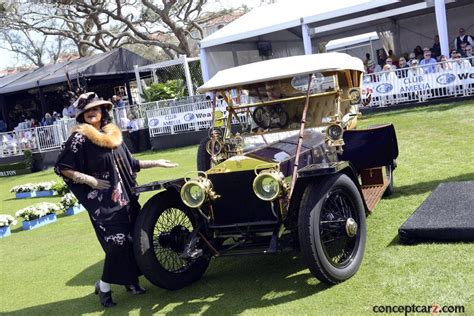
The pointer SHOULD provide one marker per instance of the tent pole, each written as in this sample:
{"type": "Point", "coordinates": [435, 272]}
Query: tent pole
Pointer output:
{"type": "Point", "coordinates": [127, 79]}
{"type": "Point", "coordinates": [308, 50]}
{"type": "Point", "coordinates": [42, 101]}
{"type": "Point", "coordinates": [139, 83]}
{"type": "Point", "coordinates": [204, 65]}
{"type": "Point", "coordinates": [441, 22]}
{"type": "Point", "coordinates": [187, 74]}
{"type": "Point", "coordinates": [3, 105]}
{"type": "Point", "coordinates": [371, 48]}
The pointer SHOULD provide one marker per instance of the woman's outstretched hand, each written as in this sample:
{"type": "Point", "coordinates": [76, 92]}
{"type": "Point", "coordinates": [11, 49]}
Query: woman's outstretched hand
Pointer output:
{"type": "Point", "coordinates": [167, 164]}
{"type": "Point", "coordinates": [144, 164]}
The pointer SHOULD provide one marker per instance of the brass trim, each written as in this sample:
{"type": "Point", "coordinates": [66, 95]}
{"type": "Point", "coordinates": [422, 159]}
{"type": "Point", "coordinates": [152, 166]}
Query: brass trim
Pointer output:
{"type": "Point", "coordinates": [264, 103]}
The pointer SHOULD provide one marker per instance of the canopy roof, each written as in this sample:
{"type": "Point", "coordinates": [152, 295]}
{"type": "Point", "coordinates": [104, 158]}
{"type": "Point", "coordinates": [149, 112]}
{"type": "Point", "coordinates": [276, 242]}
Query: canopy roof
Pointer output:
{"type": "Point", "coordinates": [288, 14]}
{"type": "Point", "coordinates": [280, 68]}
{"type": "Point", "coordinates": [352, 40]}
{"type": "Point", "coordinates": [118, 61]}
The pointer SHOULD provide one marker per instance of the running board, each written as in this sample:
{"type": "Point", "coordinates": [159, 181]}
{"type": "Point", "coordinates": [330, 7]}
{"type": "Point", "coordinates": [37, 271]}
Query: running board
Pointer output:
{"type": "Point", "coordinates": [374, 184]}
{"type": "Point", "coordinates": [373, 194]}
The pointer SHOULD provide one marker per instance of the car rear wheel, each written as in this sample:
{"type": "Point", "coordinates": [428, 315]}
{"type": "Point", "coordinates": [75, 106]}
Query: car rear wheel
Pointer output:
{"type": "Point", "coordinates": [389, 189]}
{"type": "Point", "coordinates": [203, 158]}
{"type": "Point", "coordinates": [332, 228]}
{"type": "Point", "coordinates": [161, 232]}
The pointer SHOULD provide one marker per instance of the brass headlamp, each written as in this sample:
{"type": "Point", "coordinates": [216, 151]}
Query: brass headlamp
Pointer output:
{"type": "Point", "coordinates": [197, 191]}
{"type": "Point", "coordinates": [269, 185]}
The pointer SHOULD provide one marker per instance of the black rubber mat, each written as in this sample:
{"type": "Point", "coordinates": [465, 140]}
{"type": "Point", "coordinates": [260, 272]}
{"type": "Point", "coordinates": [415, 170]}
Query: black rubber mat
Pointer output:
{"type": "Point", "coordinates": [446, 215]}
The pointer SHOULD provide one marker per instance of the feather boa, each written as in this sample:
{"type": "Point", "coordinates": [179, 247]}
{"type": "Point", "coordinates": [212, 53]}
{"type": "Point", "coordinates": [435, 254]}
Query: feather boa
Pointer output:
{"type": "Point", "coordinates": [110, 137]}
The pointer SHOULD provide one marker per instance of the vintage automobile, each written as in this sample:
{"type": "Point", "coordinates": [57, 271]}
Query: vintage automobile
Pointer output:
{"type": "Point", "coordinates": [284, 167]}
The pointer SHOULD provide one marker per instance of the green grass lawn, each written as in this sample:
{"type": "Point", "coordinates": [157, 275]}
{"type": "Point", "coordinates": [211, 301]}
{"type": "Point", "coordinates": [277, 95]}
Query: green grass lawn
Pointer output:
{"type": "Point", "coordinates": [51, 270]}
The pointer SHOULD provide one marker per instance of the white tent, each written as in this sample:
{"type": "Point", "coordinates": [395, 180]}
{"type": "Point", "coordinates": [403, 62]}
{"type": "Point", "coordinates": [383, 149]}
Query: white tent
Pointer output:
{"type": "Point", "coordinates": [357, 45]}
{"type": "Point", "coordinates": [296, 27]}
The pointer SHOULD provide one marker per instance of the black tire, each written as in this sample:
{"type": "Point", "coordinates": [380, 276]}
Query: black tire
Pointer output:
{"type": "Point", "coordinates": [322, 201]}
{"type": "Point", "coordinates": [261, 117]}
{"type": "Point", "coordinates": [160, 263]}
{"type": "Point", "coordinates": [203, 159]}
{"type": "Point", "coordinates": [389, 189]}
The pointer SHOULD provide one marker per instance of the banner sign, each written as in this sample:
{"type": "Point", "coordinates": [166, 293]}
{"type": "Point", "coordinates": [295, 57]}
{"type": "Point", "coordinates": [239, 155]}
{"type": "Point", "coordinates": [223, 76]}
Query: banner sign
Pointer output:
{"type": "Point", "coordinates": [390, 84]}
{"type": "Point", "coordinates": [185, 117]}
{"type": "Point", "coordinates": [155, 120]}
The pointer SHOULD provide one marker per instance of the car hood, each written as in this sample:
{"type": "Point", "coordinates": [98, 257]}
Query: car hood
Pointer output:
{"type": "Point", "coordinates": [265, 156]}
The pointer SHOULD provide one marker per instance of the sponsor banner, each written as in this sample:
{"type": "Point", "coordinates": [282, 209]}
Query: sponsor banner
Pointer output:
{"type": "Point", "coordinates": [185, 117]}
{"type": "Point", "coordinates": [415, 83]}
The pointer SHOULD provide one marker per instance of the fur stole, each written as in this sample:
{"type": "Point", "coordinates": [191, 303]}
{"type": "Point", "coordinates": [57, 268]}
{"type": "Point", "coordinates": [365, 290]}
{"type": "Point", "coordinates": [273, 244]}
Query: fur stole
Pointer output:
{"type": "Point", "coordinates": [110, 137]}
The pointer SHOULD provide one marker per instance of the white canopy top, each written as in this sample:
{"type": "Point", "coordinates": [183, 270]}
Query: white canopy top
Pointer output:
{"type": "Point", "coordinates": [280, 68]}
{"type": "Point", "coordinates": [352, 40]}
{"type": "Point", "coordinates": [287, 14]}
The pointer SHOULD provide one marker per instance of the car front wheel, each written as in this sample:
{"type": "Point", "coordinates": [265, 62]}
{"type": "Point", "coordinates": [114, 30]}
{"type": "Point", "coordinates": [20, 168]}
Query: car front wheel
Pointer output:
{"type": "Point", "coordinates": [162, 231]}
{"type": "Point", "coordinates": [332, 228]}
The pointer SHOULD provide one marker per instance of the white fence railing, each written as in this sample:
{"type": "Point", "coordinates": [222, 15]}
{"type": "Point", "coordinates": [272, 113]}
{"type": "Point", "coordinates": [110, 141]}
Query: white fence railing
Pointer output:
{"type": "Point", "coordinates": [188, 117]}
{"type": "Point", "coordinates": [413, 84]}
{"type": "Point", "coordinates": [418, 84]}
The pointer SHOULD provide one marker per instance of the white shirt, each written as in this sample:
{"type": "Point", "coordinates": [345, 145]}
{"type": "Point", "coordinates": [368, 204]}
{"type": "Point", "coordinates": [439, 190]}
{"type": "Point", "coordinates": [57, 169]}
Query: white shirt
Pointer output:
{"type": "Point", "coordinates": [66, 112]}
{"type": "Point", "coordinates": [133, 126]}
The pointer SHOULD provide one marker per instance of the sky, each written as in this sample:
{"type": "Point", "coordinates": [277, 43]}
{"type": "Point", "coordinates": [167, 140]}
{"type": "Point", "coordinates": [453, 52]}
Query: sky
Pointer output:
{"type": "Point", "coordinates": [9, 59]}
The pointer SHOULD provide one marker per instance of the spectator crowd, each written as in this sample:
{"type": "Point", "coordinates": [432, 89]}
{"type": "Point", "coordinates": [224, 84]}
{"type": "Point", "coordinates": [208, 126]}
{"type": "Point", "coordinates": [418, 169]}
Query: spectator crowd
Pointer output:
{"type": "Point", "coordinates": [424, 60]}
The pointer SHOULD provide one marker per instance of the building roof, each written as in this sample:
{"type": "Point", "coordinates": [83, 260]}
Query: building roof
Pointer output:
{"type": "Point", "coordinates": [280, 68]}
{"type": "Point", "coordinates": [118, 61]}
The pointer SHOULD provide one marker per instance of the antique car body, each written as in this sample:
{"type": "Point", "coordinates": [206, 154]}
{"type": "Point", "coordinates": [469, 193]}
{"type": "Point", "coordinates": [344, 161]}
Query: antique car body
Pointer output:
{"type": "Point", "coordinates": [303, 181]}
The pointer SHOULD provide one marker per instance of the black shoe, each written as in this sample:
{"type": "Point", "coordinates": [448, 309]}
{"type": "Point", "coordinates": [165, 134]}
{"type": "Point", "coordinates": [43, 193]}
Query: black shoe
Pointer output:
{"type": "Point", "coordinates": [135, 289]}
{"type": "Point", "coordinates": [105, 298]}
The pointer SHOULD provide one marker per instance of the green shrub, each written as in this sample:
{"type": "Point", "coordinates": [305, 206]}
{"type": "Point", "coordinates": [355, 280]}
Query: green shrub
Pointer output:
{"type": "Point", "coordinates": [28, 158]}
{"type": "Point", "coordinates": [170, 89]}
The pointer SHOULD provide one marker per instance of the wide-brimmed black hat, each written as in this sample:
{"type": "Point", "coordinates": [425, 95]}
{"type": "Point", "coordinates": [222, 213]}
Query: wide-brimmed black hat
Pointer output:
{"type": "Point", "coordinates": [88, 101]}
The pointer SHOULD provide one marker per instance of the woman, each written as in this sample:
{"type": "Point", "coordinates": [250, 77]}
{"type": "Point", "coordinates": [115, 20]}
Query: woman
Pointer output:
{"type": "Point", "coordinates": [444, 64]}
{"type": "Point", "coordinates": [99, 169]}
{"type": "Point", "coordinates": [418, 51]}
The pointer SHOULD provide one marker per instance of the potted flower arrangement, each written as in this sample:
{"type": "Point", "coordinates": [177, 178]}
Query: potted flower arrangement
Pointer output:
{"type": "Point", "coordinates": [70, 205]}
{"type": "Point", "coordinates": [60, 187]}
{"type": "Point", "coordinates": [5, 222]}
{"type": "Point", "coordinates": [29, 190]}
{"type": "Point", "coordinates": [38, 215]}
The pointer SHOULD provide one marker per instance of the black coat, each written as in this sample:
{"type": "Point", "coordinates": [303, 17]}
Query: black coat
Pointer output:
{"type": "Point", "coordinates": [112, 211]}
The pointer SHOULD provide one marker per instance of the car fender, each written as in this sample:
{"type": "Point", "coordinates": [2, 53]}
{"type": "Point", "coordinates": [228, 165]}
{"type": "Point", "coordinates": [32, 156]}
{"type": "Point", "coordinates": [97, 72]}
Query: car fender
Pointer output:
{"type": "Point", "coordinates": [318, 172]}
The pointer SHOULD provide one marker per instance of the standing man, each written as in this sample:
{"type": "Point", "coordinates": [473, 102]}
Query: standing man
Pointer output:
{"type": "Point", "coordinates": [461, 38]}
{"type": "Point", "coordinates": [133, 128]}
{"type": "Point", "coordinates": [121, 111]}
{"type": "Point", "coordinates": [66, 112]}
{"type": "Point", "coordinates": [436, 49]}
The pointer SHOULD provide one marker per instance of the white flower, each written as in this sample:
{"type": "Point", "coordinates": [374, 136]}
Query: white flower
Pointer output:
{"type": "Point", "coordinates": [7, 220]}
{"type": "Point", "coordinates": [37, 211]}
{"type": "Point", "coordinates": [67, 201]}
{"type": "Point", "coordinates": [29, 187]}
